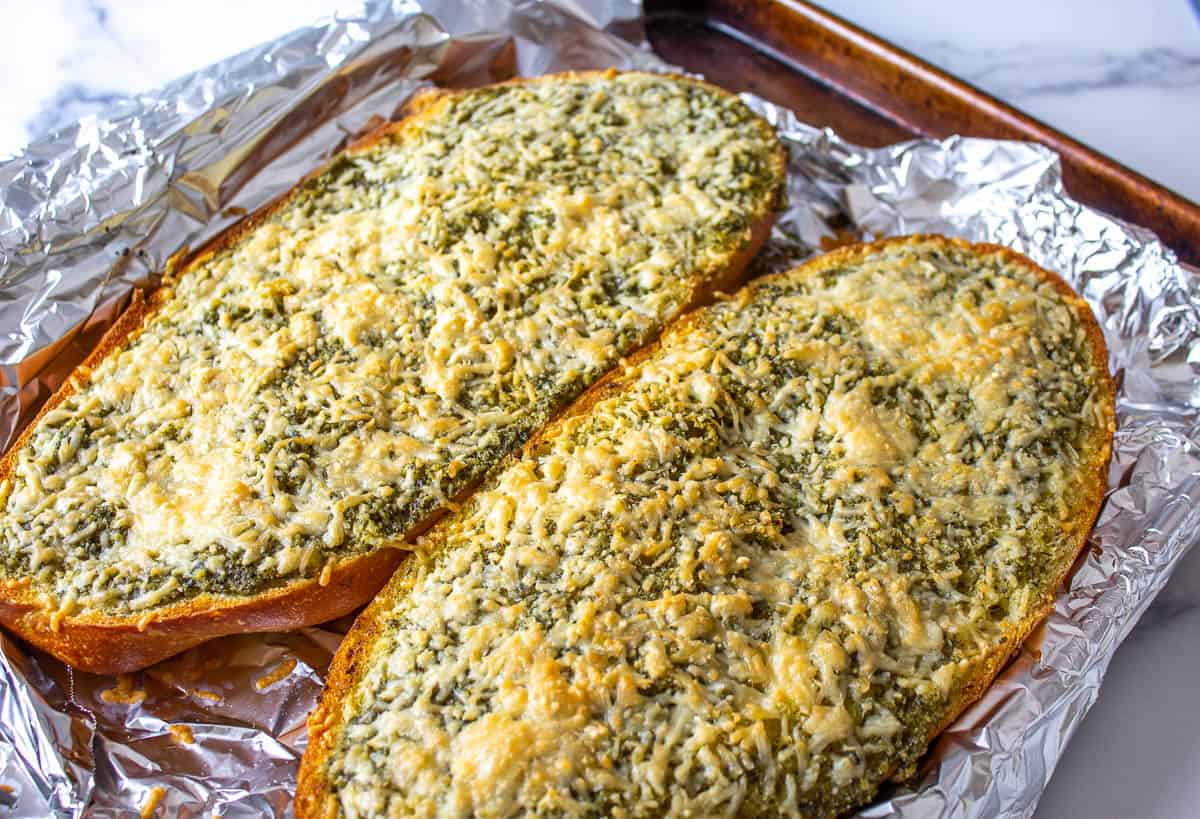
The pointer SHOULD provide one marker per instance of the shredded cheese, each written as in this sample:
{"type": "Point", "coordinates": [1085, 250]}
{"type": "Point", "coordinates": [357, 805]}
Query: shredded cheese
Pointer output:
{"type": "Point", "coordinates": [752, 580]}
{"type": "Point", "coordinates": [409, 316]}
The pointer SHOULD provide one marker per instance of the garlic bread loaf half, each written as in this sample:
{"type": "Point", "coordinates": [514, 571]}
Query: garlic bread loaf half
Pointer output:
{"type": "Point", "coordinates": [250, 445]}
{"type": "Point", "coordinates": [754, 571]}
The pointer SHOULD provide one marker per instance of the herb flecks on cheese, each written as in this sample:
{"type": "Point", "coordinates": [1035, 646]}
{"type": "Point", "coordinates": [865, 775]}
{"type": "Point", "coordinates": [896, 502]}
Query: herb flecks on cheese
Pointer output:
{"type": "Point", "coordinates": [379, 342]}
{"type": "Point", "coordinates": [752, 581]}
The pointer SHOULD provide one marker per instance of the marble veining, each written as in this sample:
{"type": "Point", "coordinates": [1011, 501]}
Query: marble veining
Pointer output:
{"type": "Point", "coordinates": [1122, 75]}
{"type": "Point", "coordinates": [1021, 71]}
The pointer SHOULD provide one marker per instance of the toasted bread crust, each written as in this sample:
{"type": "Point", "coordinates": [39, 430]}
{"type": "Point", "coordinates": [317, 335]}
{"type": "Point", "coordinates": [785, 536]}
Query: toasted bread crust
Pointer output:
{"type": "Point", "coordinates": [315, 798]}
{"type": "Point", "coordinates": [108, 644]}
{"type": "Point", "coordinates": [990, 665]}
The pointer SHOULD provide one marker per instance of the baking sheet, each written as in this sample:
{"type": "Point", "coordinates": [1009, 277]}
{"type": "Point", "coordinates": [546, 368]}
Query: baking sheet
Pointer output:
{"type": "Point", "coordinates": [98, 208]}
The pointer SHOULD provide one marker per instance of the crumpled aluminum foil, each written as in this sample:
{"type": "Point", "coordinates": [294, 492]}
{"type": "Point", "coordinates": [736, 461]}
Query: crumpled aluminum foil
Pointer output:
{"type": "Point", "coordinates": [997, 758]}
{"type": "Point", "coordinates": [89, 212]}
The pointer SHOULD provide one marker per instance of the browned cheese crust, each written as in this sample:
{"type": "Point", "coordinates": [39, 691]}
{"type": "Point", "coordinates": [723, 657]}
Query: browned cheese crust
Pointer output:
{"type": "Point", "coordinates": [376, 633]}
{"type": "Point", "coordinates": [110, 642]}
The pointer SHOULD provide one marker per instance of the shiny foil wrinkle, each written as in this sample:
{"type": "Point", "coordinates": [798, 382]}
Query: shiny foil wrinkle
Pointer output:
{"type": "Point", "coordinates": [92, 211]}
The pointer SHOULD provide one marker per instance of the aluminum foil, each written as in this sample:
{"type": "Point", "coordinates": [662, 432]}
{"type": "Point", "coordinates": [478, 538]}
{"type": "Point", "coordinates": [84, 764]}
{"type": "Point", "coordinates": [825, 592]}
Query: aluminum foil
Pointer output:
{"type": "Point", "coordinates": [91, 211]}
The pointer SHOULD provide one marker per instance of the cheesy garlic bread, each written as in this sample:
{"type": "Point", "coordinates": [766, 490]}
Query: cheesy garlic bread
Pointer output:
{"type": "Point", "coordinates": [251, 443]}
{"type": "Point", "coordinates": [753, 572]}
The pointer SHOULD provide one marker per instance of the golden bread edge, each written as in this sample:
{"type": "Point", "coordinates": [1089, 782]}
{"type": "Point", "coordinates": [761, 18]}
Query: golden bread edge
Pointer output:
{"type": "Point", "coordinates": [314, 796]}
{"type": "Point", "coordinates": [106, 644]}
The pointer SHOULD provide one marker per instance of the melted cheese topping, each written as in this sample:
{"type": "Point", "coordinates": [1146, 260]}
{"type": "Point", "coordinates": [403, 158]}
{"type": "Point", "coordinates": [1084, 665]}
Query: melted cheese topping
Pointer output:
{"type": "Point", "coordinates": [382, 340]}
{"type": "Point", "coordinates": [753, 581]}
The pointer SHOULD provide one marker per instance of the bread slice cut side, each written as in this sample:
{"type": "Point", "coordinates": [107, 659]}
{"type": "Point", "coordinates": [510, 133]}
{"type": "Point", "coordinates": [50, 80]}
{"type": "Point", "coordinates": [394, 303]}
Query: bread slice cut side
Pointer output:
{"type": "Point", "coordinates": [753, 572]}
{"type": "Point", "coordinates": [252, 445]}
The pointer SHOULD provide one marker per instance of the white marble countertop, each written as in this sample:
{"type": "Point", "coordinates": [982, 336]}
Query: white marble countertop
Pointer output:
{"type": "Point", "coordinates": [1120, 75]}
